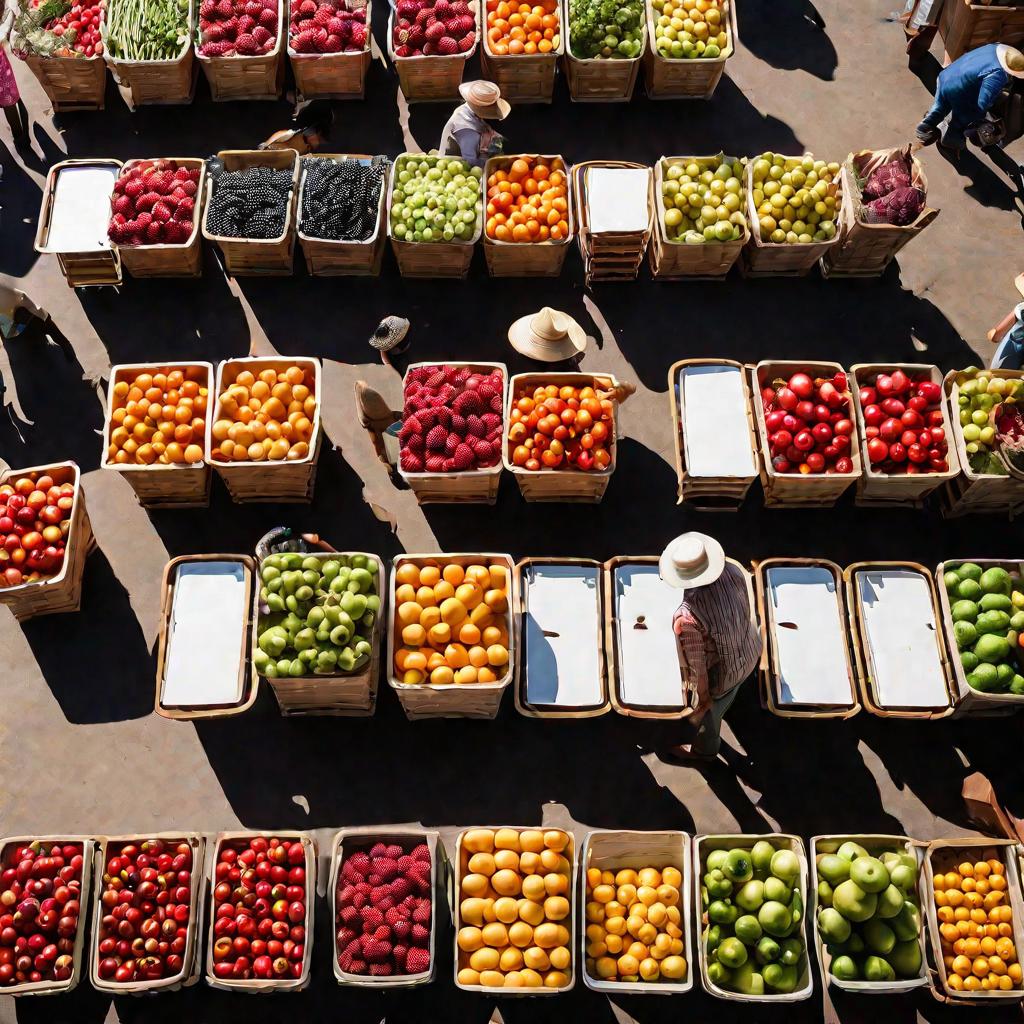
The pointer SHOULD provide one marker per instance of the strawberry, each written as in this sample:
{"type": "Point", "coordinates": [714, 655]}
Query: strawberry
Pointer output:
{"type": "Point", "coordinates": [123, 205]}
{"type": "Point", "coordinates": [411, 462]}
{"type": "Point", "coordinates": [420, 935]}
{"type": "Point", "coordinates": [349, 916]}
{"type": "Point", "coordinates": [421, 853]}
{"type": "Point", "coordinates": [436, 438]}
{"type": "Point", "coordinates": [417, 960]}
{"type": "Point", "coordinates": [435, 32]}
{"type": "Point", "coordinates": [261, 35]}
{"type": "Point", "coordinates": [446, 46]}
{"type": "Point", "coordinates": [399, 889]}
{"type": "Point", "coordinates": [451, 442]}
{"type": "Point", "coordinates": [376, 951]}
{"type": "Point", "coordinates": [475, 426]}
{"type": "Point", "coordinates": [155, 233]}
{"type": "Point", "coordinates": [398, 955]}
{"type": "Point", "coordinates": [436, 379]}
{"type": "Point", "coordinates": [496, 404]}
{"type": "Point", "coordinates": [357, 967]}
{"type": "Point", "coordinates": [134, 188]}
{"type": "Point", "coordinates": [463, 458]}
{"type": "Point", "coordinates": [381, 970]}
{"type": "Point", "coordinates": [386, 867]}
{"type": "Point", "coordinates": [460, 9]}
{"type": "Point", "coordinates": [359, 862]}
{"type": "Point", "coordinates": [402, 929]}
{"type": "Point", "coordinates": [372, 918]}
{"type": "Point", "coordinates": [435, 463]}
{"type": "Point", "coordinates": [483, 451]}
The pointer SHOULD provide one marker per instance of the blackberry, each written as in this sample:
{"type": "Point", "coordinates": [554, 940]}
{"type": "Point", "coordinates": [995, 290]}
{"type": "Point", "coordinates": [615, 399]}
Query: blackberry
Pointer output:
{"type": "Point", "coordinates": [250, 204]}
{"type": "Point", "coordinates": [340, 198]}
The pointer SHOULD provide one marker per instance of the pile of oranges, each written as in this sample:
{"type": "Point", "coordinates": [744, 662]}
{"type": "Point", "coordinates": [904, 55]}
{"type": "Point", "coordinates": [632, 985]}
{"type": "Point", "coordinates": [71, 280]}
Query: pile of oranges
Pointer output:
{"type": "Point", "coordinates": [528, 202]}
{"type": "Point", "coordinates": [976, 926]}
{"type": "Point", "coordinates": [521, 28]}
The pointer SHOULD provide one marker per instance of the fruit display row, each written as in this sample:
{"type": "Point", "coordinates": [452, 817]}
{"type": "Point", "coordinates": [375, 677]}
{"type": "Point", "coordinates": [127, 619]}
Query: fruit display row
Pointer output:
{"type": "Point", "coordinates": [155, 202]}
{"type": "Point", "coordinates": [990, 420]}
{"type": "Point", "coordinates": [515, 29]}
{"type": "Point", "coordinates": [328, 26]}
{"type": "Point", "coordinates": [704, 199]}
{"type": "Point", "coordinates": [35, 519]}
{"type": "Point", "coordinates": [433, 28]}
{"type": "Point", "coordinates": [691, 29]}
{"type": "Point", "coordinates": [528, 201]}
{"type": "Point", "coordinates": [341, 199]}
{"type": "Point", "coordinates": [434, 199]}
{"type": "Point", "coordinates": [238, 28]}
{"type": "Point", "coordinates": [147, 30]}
{"type": "Point", "coordinates": [605, 30]}
{"type": "Point", "coordinates": [795, 198]}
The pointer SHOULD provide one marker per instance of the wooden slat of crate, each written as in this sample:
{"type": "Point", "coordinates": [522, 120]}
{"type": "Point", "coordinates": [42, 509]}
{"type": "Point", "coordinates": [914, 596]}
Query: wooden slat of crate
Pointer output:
{"type": "Point", "coordinates": [159, 82]}
{"type": "Point", "coordinates": [599, 80]}
{"type": "Point", "coordinates": [338, 76]}
{"type": "Point", "coordinates": [433, 78]}
{"type": "Point", "coordinates": [523, 78]}
{"type": "Point", "coordinates": [686, 79]}
{"type": "Point", "coordinates": [248, 78]}
{"type": "Point", "coordinates": [71, 83]}
{"type": "Point", "coordinates": [965, 26]}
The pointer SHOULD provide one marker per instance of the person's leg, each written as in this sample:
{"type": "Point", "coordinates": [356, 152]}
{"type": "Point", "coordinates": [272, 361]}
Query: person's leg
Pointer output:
{"type": "Point", "coordinates": [953, 137]}
{"type": "Point", "coordinates": [708, 740]}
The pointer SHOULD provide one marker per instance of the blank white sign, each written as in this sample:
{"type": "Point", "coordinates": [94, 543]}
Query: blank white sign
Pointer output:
{"type": "Point", "coordinates": [716, 432]}
{"type": "Point", "coordinates": [81, 209]}
{"type": "Point", "coordinates": [617, 199]}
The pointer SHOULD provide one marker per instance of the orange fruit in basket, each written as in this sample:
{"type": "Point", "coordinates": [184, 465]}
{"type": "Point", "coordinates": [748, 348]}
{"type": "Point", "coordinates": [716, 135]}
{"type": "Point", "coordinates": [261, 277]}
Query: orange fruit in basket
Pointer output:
{"type": "Point", "coordinates": [528, 202]}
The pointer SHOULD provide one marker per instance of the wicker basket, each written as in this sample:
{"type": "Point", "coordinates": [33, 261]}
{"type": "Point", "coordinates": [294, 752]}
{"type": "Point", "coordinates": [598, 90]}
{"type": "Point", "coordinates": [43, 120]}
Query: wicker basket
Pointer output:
{"type": "Point", "coordinates": [70, 83]}
{"type": "Point", "coordinates": [434, 78]}
{"type": "Point", "coordinates": [528, 259]}
{"type": "Point", "coordinates": [965, 26]}
{"type": "Point", "coordinates": [288, 481]}
{"type": "Point", "coordinates": [797, 490]}
{"type": "Point", "coordinates": [257, 256]}
{"type": "Point", "coordinates": [454, 700]}
{"type": "Point", "coordinates": [686, 79]}
{"type": "Point", "coordinates": [247, 78]}
{"type": "Point", "coordinates": [599, 79]}
{"type": "Point", "coordinates": [327, 257]}
{"type": "Point", "coordinates": [63, 591]}
{"type": "Point", "coordinates": [522, 77]}
{"type": "Point", "coordinates": [336, 76]}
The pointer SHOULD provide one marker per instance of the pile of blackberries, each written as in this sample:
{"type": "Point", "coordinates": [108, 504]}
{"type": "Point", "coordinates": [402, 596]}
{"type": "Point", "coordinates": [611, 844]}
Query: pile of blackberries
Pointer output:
{"type": "Point", "coordinates": [250, 204]}
{"type": "Point", "coordinates": [340, 198]}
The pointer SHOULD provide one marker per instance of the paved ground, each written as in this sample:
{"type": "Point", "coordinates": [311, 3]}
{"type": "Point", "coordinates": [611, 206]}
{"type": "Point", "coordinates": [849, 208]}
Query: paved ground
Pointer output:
{"type": "Point", "coordinates": [81, 751]}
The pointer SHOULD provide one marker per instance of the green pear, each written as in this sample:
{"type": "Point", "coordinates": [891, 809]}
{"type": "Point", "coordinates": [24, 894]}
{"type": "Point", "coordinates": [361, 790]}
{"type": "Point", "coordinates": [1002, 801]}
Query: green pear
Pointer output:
{"type": "Point", "coordinates": [833, 868]}
{"type": "Point", "coordinates": [786, 865]}
{"type": "Point", "coordinates": [751, 896]}
{"type": "Point", "coordinates": [761, 856]}
{"type": "Point", "coordinates": [832, 926]}
{"type": "Point", "coordinates": [890, 902]}
{"type": "Point", "coordinates": [878, 936]}
{"type": "Point", "coordinates": [905, 958]}
{"type": "Point", "coordinates": [870, 874]}
{"type": "Point", "coordinates": [853, 902]}
{"type": "Point", "coordinates": [845, 969]}
{"type": "Point", "coordinates": [851, 851]}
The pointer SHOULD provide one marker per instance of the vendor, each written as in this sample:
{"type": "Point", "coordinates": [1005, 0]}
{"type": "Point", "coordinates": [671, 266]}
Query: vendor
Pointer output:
{"type": "Point", "coordinates": [1008, 334]}
{"type": "Point", "coordinates": [966, 91]}
{"type": "Point", "coordinates": [716, 639]}
{"type": "Point", "coordinates": [10, 97]}
{"type": "Point", "coordinates": [467, 133]}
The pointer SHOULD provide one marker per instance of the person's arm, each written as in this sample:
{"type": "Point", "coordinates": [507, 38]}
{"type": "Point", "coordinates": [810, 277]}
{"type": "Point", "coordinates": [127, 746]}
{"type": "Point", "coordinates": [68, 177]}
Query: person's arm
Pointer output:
{"type": "Point", "coordinates": [998, 332]}
{"type": "Point", "coordinates": [469, 146]}
{"type": "Point", "coordinates": [992, 83]}
{"type": "Point", "coordinates": [693, 660]}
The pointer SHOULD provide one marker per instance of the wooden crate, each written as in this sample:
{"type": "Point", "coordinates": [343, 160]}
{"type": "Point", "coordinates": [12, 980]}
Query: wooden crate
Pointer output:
{"type": "Point", "coordinates": [257, 256]}
{"type": "Point", "coordinates": [81, 269]}
{"type": "Point", "coordinates": [247, 78]}
{"type": "Point", "coordinates": [865, 250]}
{"type": "Point", "coordinates": [63, 591]}
{"type": "Point", "coordinates": [478, 486]}
{"type": "Point", "coordinates": [781, 259]}
{"type": "Point", "coordinates": [522, 77]}
{"type": "Point", "coordinates": [897, 490]}
{"type": "Point", "coordinates": [527, 259]}
{"type": "Point", "coordinates": [289, 481]}
{"type": "Point", "coordinates": [796, 490]}
{"type": "Point", "coordinates": [863, 660]}
{"type": "Point", "coordinates": [337, 76]}
{"type": "Point", "coordinates": [184, 259]}
{"type": "Point", "coordinates": [971, 491]}
{"type": "Point", "coordinates": [455, 700]}
{"type": "Point", "coordinates": [965, 26]}
{"type": "Point", "coordinates": [599, 80]}
{"type": "Point", "coordinates": [609, 850]}
{"type": "Point", "coordinates": [70, 83]}
{"type": "Point", "coordinates": [49, 988]}
{"type": "Point", "coordinates": [192, 958]}
{"type": "Point", "coordinates": [462, 856]}
{"type": "Point", "coordinates": [708, 493]}
{"type": "Point", "coordinates": [264, 985]}
{"type": "Point", "coordinates": [354, 839]}
{"type": "Point", "coordinates": [564, 485]}
{"type": "Point", "coordinates": [433, 78]}
{"type": "Point", "coordinates": [686, 79]}
{"type": "Point", "coordinates": [768, 667]}
{"type": "Point", "coordinates": [326, 257]}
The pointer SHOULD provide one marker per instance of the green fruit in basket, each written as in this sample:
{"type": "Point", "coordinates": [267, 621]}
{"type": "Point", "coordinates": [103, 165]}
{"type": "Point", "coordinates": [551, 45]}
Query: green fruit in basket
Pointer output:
{"type": "Point", "coordinates": [969, 661]}
{"type": "Point", "coordinates": [870, 874]}
{"type": "Point", "coordinates": [751, 896]}
{"type": "Point", "coordinates": [825, 894]}
{"type": "Point", "coordinates": [718, 886]}
{"type": "Point", "coordinates": [1004, 676]}
{"type": "Point", "coordinates": [878, 936]}
{"type": "Point", "coordinates": [780, 977]}
{"type": "Point", "coordinates": [965, 634]}
{"type": "Point", "coordinates": [995, 580]}
{"type": "Point", "coordinates": [721, 912]}
{"type": "Point", "coordinates": [1017, 685]}
{"type": "Point", "coordinates": [747, 980]}
{"type": "Point", "coordinates": [964, 611]}
{"type": "Point", "coordinates": [738, 866]}
{"type": "Point", "coordinates": [845, 969]}
{"type": "Point", "coordinates": [747, 929]}
{"type": "Point", "coordinates": [832, 926]}
{"type": "Point", "coordinates": [833, 868]}
{"type": "Point", "coordinates": [951, 581]}
{"type": "Point", "coordinates": [993, 622]}
{"type": "Point", "coordinates": [767, 950]}
{"type": "Point", "coordinates": [890, 902]}
{"type": "Point", "coordinates": [995, 602]}
{"type": "Point", "coordinates": [1017, 621]}
{"type": "Point", "coordinates": [905, 958]}
{"type": "Point", "coordinates": [877, 968]}
{"type": "Point", "coordinates": [850, 850]}
{"type": "Point", "coordinates": [703, 205]}
{"type": "Point", "coordinates": [719, 974]}
{"type": "Point", "coordinates": [731, 953]}
{"type": "Point", "coordinates": [984, 678]}
{"type": "Point", "coordinates": [716, 860]}
{"type": "Point", "coordinates": [853, 902]}
{"type": "Point", "coordinates": [907, 923]}
{"type": "Point", "coordinates": [712, 937]}
{"type": "Point", "coordinates": [792, 952]}
{"type": "Point", "coordinates": [776, 889]}
{"type": "Point", "coordinates": [775, 918]}
{"type": "Point", "coordinates": [785, 865]}
{"type": "Point", "coordinates": [992, 648]}
{"type": "Point", "coordinates": [970, 571]}
{"type": "Point", "coordinates": [761, 857]}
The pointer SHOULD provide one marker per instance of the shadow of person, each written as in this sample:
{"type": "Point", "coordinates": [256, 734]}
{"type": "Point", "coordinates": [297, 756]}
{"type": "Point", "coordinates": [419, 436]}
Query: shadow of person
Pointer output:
{"type": "Point", "coordinates": [986, 186]}
{"type": "Point", "coordinates": [20, 198]}
{"type": "Point", "coordinates": [789, 34]}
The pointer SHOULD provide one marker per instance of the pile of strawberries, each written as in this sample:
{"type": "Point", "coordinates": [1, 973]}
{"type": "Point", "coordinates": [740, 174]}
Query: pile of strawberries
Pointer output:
{"type": "Point", "coordinates": [154, 202]}
{"type": "Point", "coordinates": [452, 420]}
{"type": "Point", "coordinates": [237, 28]}
{"type": "Point", "coordinates": [329, 26]}
{"type": "Point", "coordinates": [425, 28]}
{"type": "Point", "coordinates": [383, 914]}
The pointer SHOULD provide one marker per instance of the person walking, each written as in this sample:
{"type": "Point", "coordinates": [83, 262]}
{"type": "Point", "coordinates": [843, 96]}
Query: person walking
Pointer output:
{"type": "Point", "coordinates": [966, 91]}
{"type": "Point", "coordinates": [1008, 334]}
{"type": "Point", "coordinates": [10, 97]}
{"type": "Point", "coordinates": [467, 133]}
{"type": "Point", "coordinates": [716, 639]}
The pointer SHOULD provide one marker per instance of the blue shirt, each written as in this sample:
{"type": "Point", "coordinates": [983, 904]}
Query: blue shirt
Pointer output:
{"type": "Point", "coordinates": [971, 83]}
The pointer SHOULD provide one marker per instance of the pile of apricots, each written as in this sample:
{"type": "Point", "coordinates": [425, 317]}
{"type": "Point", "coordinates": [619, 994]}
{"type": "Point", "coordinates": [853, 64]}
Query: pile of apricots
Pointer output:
{"type": "Point", "coordinates": [528, 202]}
{"type": "Point", "coordinates": [522, 28]}
{"type": "Point", "coordinates": [566, 427]}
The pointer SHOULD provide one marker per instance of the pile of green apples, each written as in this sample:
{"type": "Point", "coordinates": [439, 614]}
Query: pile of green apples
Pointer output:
{"type": "Point", "coordinates": [868, 913]}
{"type": "Point", "coordinates": [316, 614]}
{"type": "Point", "coordinates": [753, 914]}
{"type": "Point", "coordinates": [435, 199]}
{"type": "Point", "coordinates": [979, 393]}
{"type": "Point", "coordinates": [795, 198]}
{"type": "Point", "coordinates": [704, 202]}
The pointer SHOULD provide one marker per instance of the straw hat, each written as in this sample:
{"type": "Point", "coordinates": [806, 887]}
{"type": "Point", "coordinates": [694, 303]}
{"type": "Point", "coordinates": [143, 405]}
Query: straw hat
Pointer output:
{"type": "Point", "coordinates": [548, 336]}
{"type": "Point", "coordinates": [692, 560]}
{"type": "Point", "coordinates": [485, 100]}
{"type": "Point", "coordinates": [1011, 59]}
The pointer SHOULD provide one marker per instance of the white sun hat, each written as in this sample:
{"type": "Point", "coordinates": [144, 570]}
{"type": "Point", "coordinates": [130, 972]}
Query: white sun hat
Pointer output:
{"type": "Point", "coordinates": [1011, 59]}
{"type": "Point", "coordinates": [692, 560]}
{"type": "Point", "coordinates": [485, 99]}
{"type": "Point", "coordinates": [548, 336]}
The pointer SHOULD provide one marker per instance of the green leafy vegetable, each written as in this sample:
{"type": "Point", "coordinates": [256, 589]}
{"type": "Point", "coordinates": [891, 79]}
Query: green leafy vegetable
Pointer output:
{"type": "Point", "coordinates": [606, 29]}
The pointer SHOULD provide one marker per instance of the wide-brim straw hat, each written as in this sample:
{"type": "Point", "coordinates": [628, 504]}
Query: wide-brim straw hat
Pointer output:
{"type": "Point", "coordinates": [549, 336]}
{"type": "Point", "coordinates": [691, 560]}
{"type": "Point", "coordinates": [1011, 60]}
{"type": "Point", "coordinates": [485, 100]}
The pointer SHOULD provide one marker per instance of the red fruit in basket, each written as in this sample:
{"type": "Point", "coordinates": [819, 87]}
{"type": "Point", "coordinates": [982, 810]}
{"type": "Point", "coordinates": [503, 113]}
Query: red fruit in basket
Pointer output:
{"type": "Point", "coordinates": [868, 396]}
{"type": "Point", "coordinates": [801, 385]}
{"type": "Point", "coordinates": [917, 454]}
{"type": "Point", "coordinates": [804, 410]}
{"type": "Point", "coordinates": [884, 385]}
{"type": "Point", "coordinates": [804, 441]}
{"type": "Point", "coordinates": [815, 462]}
{"type": "Point", "coordinates": [930, 391]}
{"type": "Point", "coordinates": [822, 433]}
{"type": "Point", "coordinates": [900, 382]}
{"type": "Point", "coordinates": [844, 465]}
{"type": "Point", "coordinates": [773, 420]}
{"type": "Point", "coordinates": [917, 403]}
{"type": "Point", "coordinates": [897, 452]}
{"type": "Point", "coordinates": [911, 420]}
{"type": "Point", "coordinates": [786, 399]}
{"type": "Point", "coordinates": [893, 407]}
{"type": "Point", "coordinates": [873, 415]}
{"type": "Point", "coordinates": [890, 430]}
{"type": "Point", "coordinates": [878, 450]}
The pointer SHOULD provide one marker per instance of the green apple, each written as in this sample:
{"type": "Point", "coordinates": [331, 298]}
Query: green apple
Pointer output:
{"type": "Point", "coordinates": [718, 886]}
{"type": "Point", "coordinates": [746, 980]}
{"type": "Point", "coordinates": [845, 969]}
{"type": "Point", "coordinates": [832, 926]}
{"type": "Point", "coordinates": [761, 855]}
{"type": "Point", "coordinates": [738, 866]}
{"type": "Point", "coordinates": [904, 877]}
{"type": "Point", "coordinates": [792, 952]}
{"type": "Point", "coordinates": [721, 912]}
{"type": "Point", "coordinates": [775, 918]}
{"type": "Point", "coordinates": [716, 859]}
{"type": "Point", "coordinates": [719, 974]}
{"type": "Point", "coordinates": [833, 868]}
{"type": "Point", "coordinates": [785, 865]}
{"type": "Point", "coordinates": [890, 902]}
{"type": "Point", "coordinates": [907, 923]}
{"type": "Point", "coordinates": [732, 953]}
{"type": "Point", "coordinates": [890, 859]}
{"type": "Point", "coordinates": [780, 977]}
{"type": "Point", "coordinates": [878, 936]}
{"type": "Point", "coordinates": [748, 929]}
{"type": "Point", "coordinates": [825, 894]}
{"type": "Point", "coordinates": [853, 902]}
{"type": "Point", "coordinates": [776, 889]}
{"type": "Point", "coordinates": [767, 950]}
{"type": "Point", "coordinates": [869, 873]}
{"type": "Point", "coordinates": [851, 851]}
{"type": "Point", "coordinates": [751, 896]}
{"type": "Point", "coordinates": [905, 958]}
{"type": "Point", "coordinates": [878, 969]}
{"type": "Point", "coordinates": [712, 937]}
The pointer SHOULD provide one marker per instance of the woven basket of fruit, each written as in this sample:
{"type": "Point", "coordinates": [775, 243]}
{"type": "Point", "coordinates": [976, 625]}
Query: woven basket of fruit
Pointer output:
{"type": "Point", "coordinates": [118, 871]}
{"type": "Point", "coordinates": [736, 963]}
{"type": "Point", "coordinates": [990, 480]}
{"type": "Point", "coordinates": [272, 455]}
{"type": "Point", "coordinates": [959, 968]}
{"type": "Point", "coordinates": [982, 602]}
{"type": "Point", "coordinates": [561, 435]}
{"type": "Point", "coordinates": [708, 244]}
{"type": "Point", "coordinates": [64, 861]}
{"type": "Point", "coordinates": [148, 48]}
{"type": "Point", "coordinates": [965, 26]}
{"type": "Point", "coordinates": [337, 71]}
{"type": "Point", "coordinates": [603, 49]}
{"type": "Point", "coordinates": [904, 431]}
{"type": "Point", "coordinates": [539, 893]}
{"type": "Point", "coordinates": [162, 453]}
{"type": "Point", "coordinates": [414, 860]}
{"type": "Point", "coordinates": [42, 568]}
{"type": "Point", "coordinates": [430, 67]}
{"type": "Point", "coordinates": [612, 867]}
{"type": "Point", "coordinates": [234, 966]}
{"type": "Point", "coordinates": [793, 203]}
{"type": "Point", "coordinates": [240, 47]}
{"type": "Point", "coordinates": [806, 668]}
{"type": "Point", "coordinates": [680, 65]}
{"type": "Point", "coordinates": [532, 236]}
{"type": "Point", "coordinates": [250, 210]}
{"type": "Point", "coordinates": [341, 219]}
{"type": "Point", "coordinates": [522, 58]}
{"type": "Point", "coordinates": [899, 654]}
{"type": "Point", "coordinates": [451, 640]}
{"type": "Point", "coordinates": [808, 441]}
{"type": "Point", "coordinates": [868, 887]}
